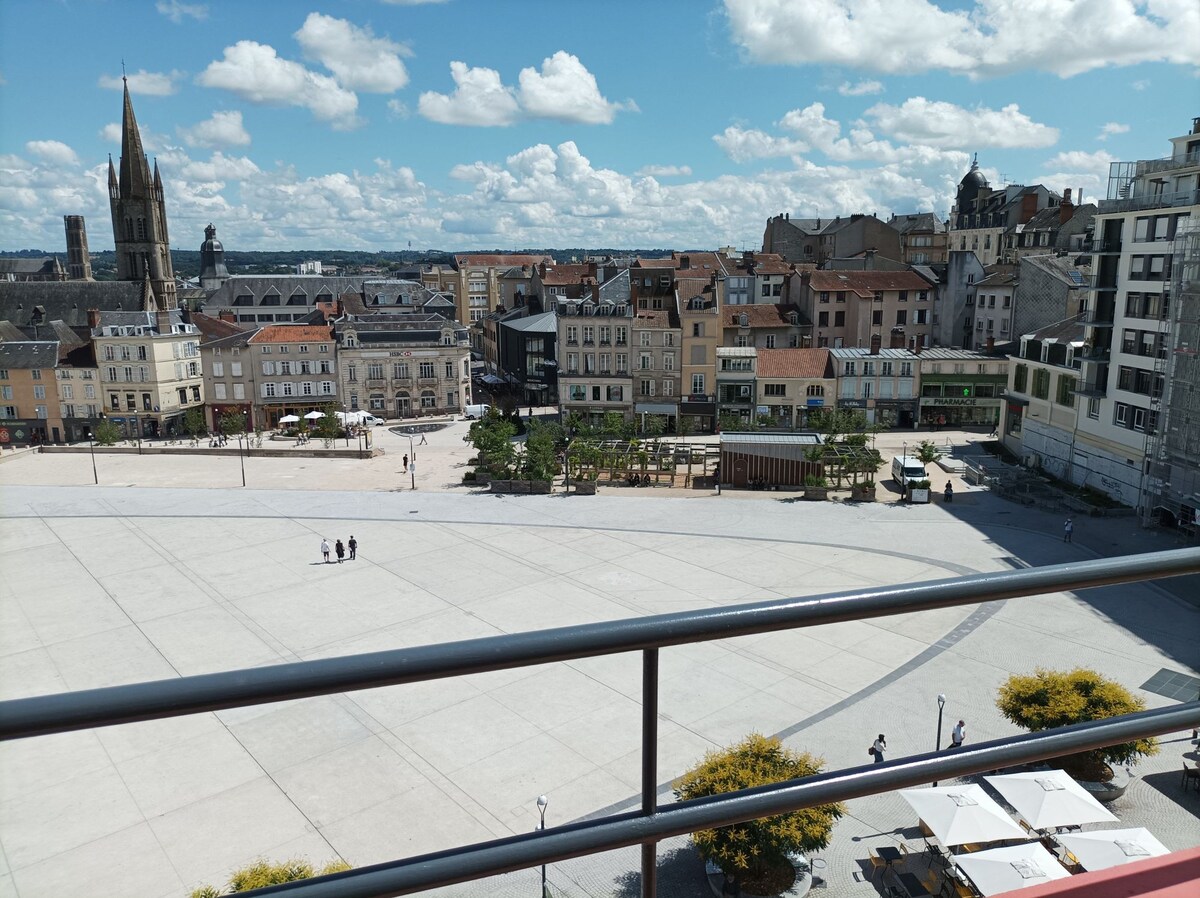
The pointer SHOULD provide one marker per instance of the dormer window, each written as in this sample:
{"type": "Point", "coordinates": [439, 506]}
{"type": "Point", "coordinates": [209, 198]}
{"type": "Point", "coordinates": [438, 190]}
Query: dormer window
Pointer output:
{"type": "Point", "coordinates": [350, 340]}
{"type": "Point", "coordinates": [793, 318]}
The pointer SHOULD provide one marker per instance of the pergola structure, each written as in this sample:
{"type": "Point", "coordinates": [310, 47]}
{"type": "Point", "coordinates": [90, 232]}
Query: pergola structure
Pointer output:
{"type": "Point", "coordinates": [666, 461]}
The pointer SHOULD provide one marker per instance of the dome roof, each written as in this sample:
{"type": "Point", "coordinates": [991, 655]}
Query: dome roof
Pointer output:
{"type": "Point", "coordinates": [211, 246]}
{"type": "Point", "coordinates": [974, 177]}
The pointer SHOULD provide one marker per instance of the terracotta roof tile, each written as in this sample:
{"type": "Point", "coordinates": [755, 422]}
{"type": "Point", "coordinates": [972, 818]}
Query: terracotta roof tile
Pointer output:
{"type": "Point", "coordinates": [292, 333]}
{"type": "Point", "coordinates": [763, 315]}
{"type": "Point", "coordinates": [866, 283]}
{"type": "Point", "coordinates": [794, 363]}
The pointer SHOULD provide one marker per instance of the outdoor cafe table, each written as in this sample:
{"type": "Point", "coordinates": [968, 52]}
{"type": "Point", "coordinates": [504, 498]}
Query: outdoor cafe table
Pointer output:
{"type": "Point", "coordinates": [1012, 867]}
{"type": "Point", "coordinates": [1048, 799]}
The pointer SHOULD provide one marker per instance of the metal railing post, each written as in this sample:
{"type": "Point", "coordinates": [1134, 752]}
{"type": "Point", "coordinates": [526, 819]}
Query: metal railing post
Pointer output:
{"type": "Point", "coordinates": [649, 766]}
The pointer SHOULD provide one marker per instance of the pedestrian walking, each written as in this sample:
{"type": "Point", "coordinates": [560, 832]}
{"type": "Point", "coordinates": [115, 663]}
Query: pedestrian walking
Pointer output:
{"type": "Point", "coordinates": [325, 550]}
{"type": "Point", "coordinates": [878, 747]}
{"type": "Point", "coordinates": [424, 442]}
{"type": "Point", "coordinates": [1068, 529]}
{"type": "Point", "coordinates": [352, 545]}
{"type": "Point", "coordinates": [958, 734]}
{"type": "Point", "coordinates": [341, 551]}
{"type": "Point", "coordinates": [405, 468]}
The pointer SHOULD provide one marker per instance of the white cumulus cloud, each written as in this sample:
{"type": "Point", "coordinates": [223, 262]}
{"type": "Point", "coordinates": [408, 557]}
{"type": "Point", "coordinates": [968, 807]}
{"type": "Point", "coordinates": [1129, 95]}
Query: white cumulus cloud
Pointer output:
{"type": "Point", "coordinates": [663, 171]}
{"type": "Point", "coordinates": [988, 37]}
{"type": "Point", "coordinates": [940, 124]}
{"type": "Point", "coordinates": [564, 90]}
{"type": "Point", "coordinates": [1110, 128]}
{"type": "Point", "coordinates": [359, 59]}
{"type": "Point", "coordinates": [54, 152]}
{"type": "Point", "coordinates": [479, 98]}
{"type": "Point", "coordinates": [744, 144]}
{"type": "Point", "coordinates": [152, 84]}
{"type": "Point", "coordinates": [221, 129]}
{"type": "Point", "coordinates": [1078, 169]}
{"type": "Point", "coordinates": [256, 73]}
{"type": "Point", "coordinates": [219, 167]}
{"type": "Point", "coordinates": [177, 11]}
{"type": "Point", "coordinates": [860, 89]}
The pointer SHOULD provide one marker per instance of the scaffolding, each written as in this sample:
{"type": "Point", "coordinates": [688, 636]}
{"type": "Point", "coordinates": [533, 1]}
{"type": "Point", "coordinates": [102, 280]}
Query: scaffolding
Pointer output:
{"type": "Point", "coordinates": [1172, 485]}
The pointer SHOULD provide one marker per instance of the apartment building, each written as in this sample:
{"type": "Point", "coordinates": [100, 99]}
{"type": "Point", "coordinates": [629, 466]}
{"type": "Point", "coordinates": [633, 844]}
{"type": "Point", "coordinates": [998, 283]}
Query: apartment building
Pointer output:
{"type": "Point", "coordinates": [923, 238]}
{"type": "Point", "coordinates": [1051, 288]}
{"type": "Point", "coordinates": [794, 385]}
{"type": "Point", "coordinates": [1142, 248]}
{"type": "Point", "coordinates": [29, 408]}
{"type": "Point", "coordinates": [476, 279]}
{"type": "Point", "coordinates": [880, 382]}
{"type": "Point", "coordinates": [397, 365]}
{"type": "Point", "coordinates": [990, 306]}
{"type": "Point", "coordinates": [776, 326]}
{"type": "Point", "coordinates": [294, 369]}
{"type": "Point", "coordinates": [848, 307]}
{"type": "Point", "coordinates": [1041, 409]}
{"type": "Point", "coordinates": [656, 355]}
{"type": "Point", "coordinates": [594, 348]}
{"type": "Point", "coordinates": [961, 387]}
{"type": "Point", "coordinates": [697, 299]}
{"type": "Point", "coordinates": [149, 365]}
{"type": "Point", "coordinates": [736, 370]}
{"type": "Point", "coordinates": [816, 240]}
{"type": "Point", "coordinates": [985, 220]}
{"type": "Point", "coordinates": [230, 385]}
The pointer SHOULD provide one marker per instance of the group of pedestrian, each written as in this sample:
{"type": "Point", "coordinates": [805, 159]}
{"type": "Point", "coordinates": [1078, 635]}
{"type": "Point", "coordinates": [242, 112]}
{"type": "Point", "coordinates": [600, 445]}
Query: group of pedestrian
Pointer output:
{"type": "Point", "coordinates": [340, 549]}
{"type": "Point", "coordinates": [957, 737]}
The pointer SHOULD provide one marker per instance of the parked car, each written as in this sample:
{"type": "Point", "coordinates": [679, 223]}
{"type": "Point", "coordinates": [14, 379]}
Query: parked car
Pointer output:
{"type": "Point", "coordinates": [471, 412]}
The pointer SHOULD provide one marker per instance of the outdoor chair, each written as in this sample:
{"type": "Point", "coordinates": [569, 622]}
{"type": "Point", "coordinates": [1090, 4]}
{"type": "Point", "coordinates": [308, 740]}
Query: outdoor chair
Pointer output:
{"type": "Point", "coordinates": [1191, 777]}
{"type": "Point", "coordinates": [904, 855]}
{"type": "Point", "coordinates": [877, 863]}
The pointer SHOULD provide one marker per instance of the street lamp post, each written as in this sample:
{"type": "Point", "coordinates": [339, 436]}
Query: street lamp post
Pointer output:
{"type": "Point", "coordinates": [92, 452]}
{"type": "Point", "coordinates": [941, 700]}
{"type": "Point", "coordinates": [241, 456]}
{"type": "Point", "coordinates": [542, 801]}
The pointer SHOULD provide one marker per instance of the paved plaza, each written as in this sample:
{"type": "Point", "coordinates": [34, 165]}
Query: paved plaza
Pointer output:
{"type": "Point", "coordinates": [170, 568]}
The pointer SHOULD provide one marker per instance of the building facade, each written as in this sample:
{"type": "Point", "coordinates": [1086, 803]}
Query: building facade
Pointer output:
{"type": "Point", "coordinates": [594, 352]}
{"type": "Point", "coordinates": [403, 365]}
{"type": "Point", "coordinates": [794, 386]}
{"type": "Point", "coordinates": [29, 406]}
{"type": "Point", "coordinates": [962, 388]}
{"type": "Point", "coordinates": [848, 307]}
{"type": "Point", "coordinates": [656, 357]}
{"type": "Point", "coordinates": [150, 375]}
{"type": "Point", "coordinates": [880, 382]}
{"type": "Point", "coordinates": [1041, 411]}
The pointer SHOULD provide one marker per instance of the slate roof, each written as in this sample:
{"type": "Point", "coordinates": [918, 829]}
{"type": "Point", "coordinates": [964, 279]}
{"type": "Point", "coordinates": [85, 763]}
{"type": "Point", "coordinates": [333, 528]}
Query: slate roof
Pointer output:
{"type": "Point", "coordinates": [920, 221]}
{"type": "Point", "coordinates": [1069, 330]}
{"type": "Point", "coordinates": [866, 283]}
{"type": "Point", "coordinates": [998, 275]}
{"type": "Point", "coordinates": [794, 363]}
{"type": "Point", "coordinates": [148, 320]}
{"type": "Point", "coordinates": [545, 323]}
{"type": "Point", "coordinates": [26, 267]}
{"type": "Point", "coordinates": [67, 301]}
{"type": "Point", "coordinates": [285, 286]}
{"type": "Point", "coordinates": [656, 319]}
{"type": "Point", "coordinates": [774, 315]}
{"type": "Point", "coordinates": [1062, 267]}
{"type": "Point", "coordinates": [212, 329]}
{"type": "Point", "coordinates": [565, 274]}
{"type": "Point", "coordinates": [29, 354]}
{"type": "Point", "coordinates": [616, 288]}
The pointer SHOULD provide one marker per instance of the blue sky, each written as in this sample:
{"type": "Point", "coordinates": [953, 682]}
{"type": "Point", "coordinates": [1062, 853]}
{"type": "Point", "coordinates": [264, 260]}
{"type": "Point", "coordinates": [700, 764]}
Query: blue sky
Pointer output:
{"type": "Point", "coordinates": [478, 124]}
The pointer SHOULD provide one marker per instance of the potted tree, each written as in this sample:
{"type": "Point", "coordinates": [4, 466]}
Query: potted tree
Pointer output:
{"type": "Point", "coordinates": [1054, 698]}
{"type": "Point", "coordinates": [758, 857]}
{"type": "Point", "coordinates": [816, 488]}
{"type": "Point", "coordinates": [918, 492]}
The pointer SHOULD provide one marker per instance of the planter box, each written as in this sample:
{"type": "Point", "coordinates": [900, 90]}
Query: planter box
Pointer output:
{"type": "Point", "coordinates": [862, 495]}
{"type": "Point", "coordinates": [918, 497]}
{"type": "Point", "coordinates": [816, 493]}
{"type": "Point", "coordinates": [483, 478]}
{"type": "Point", "coordinates": [540, 487]}
{"type": "Point", "coordinates": [584, 488]}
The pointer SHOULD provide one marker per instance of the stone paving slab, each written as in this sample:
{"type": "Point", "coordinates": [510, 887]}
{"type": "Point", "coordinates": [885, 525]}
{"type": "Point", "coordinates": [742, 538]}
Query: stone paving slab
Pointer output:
{"type": "Point", "coordinates": [169, 581]}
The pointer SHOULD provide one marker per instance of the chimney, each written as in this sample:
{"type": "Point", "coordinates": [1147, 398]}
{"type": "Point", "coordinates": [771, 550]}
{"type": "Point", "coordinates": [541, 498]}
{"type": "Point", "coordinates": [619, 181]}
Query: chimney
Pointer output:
{"type": "Point", "coordinates": [162, 321]}
{"type": "Point", "coordinates": [227, 315]}
{"type": "Point", "coordinates": [685, 261]}
{"type": "Point", "coordinates": [748, 256]}
{"type": "Point", "coordinates": [876, 341]}
{"type": "Point", "coordinates": [1066, 208]}
{"type": "Point", "coordinates": [991, 345]}
{"type": "Point", "coordinates": [897, 341]}
{"type": "Point", "coordinates": [869, 264]}
{"type": "Point", "coordinates": [93, 318]}
{"type": "Point", "coordinates": [1067, 196]}
{"type": "Point", "coordinates": [917, 349]}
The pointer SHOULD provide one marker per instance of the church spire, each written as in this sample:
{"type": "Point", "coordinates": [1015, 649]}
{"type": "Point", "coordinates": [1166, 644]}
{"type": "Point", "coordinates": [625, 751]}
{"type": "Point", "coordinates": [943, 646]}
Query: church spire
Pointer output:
{"type": "Point", "coordinates": [149, 302]}
{"type": "Point", "coordinates": [135, 172]}
{"type": "Point", "coordinates": [114, 188]}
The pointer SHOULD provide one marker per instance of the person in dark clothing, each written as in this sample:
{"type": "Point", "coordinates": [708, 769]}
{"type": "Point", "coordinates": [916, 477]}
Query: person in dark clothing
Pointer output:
{"type": "Point", "coordinates": [340, 549]}
{"type": "Point", "coordinates": [352, 545]}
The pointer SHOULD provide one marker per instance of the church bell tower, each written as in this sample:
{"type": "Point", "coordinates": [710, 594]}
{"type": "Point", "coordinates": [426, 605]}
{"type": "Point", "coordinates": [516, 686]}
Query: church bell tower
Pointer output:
{"type": "Point", "coordinates": [139, 216]}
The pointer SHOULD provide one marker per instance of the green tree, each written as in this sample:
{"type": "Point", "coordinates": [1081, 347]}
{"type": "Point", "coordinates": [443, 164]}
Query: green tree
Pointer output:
{"type": "Point", "coordinates": [927, 452]}
{"type": "Point", "coordinates": [194, 423]}
{"type": "Point", "coordinates": [685, 425]}
{"type": "Point", "coordinates": [541, 459]}
{"type": "Point", "coordinates": [328, 428]}
{"type": "Point", "coordinates": [107, 434]}
{"type": "Point", "coordinates": [261, 874]}
{"type": "Point", "coordinates": [492, 436]}
{"type": "Point", "coordinates": [750, 851]}
{"type": "Point", "coordinates": [615, 425]}
{"type": "Point", "coordinates": [232, 423]}
{"type": "Point", "coordinates": [1053, 698]}
{"type": "Point", "coordinates": [730, 422]}
{"type": "Point", "coordinates": [655, 426]}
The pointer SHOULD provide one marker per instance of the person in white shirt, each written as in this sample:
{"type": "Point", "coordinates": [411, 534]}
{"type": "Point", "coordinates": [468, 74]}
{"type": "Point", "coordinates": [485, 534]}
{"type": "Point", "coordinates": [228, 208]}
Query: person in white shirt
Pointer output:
{"type": "Point", "coordinates": [878, 747]}
{"type": "Point", "coordinates": [958, 735]}
{"type": "Point", "coordinates": [325, 550]}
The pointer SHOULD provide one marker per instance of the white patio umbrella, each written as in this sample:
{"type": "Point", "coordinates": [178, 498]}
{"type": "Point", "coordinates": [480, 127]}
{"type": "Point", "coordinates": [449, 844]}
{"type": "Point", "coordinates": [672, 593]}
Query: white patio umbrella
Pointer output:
{"type": "Point", "coordinates": [289, 419]}
{"type": "Point", "coordinates": [1013, 867]}
{"type": "Point", "coordinates": [1111, 847]}
{"type": "Point", "coordinates": [312, 416]}
{"type": "Point", "coordinates": [1049, 798]}
{"type": "Point", "coordinates": [964, 814]}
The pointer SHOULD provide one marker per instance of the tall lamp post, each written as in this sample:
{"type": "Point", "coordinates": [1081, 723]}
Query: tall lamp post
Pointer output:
{"type": "Point", "coordinates": [542, 801]}
{"type": "Point", "coordinates": [241, 456]}
{"type": "Point", "coordinates": [941, 700]}
{"type": "Point", "coordinates": [92, 452]}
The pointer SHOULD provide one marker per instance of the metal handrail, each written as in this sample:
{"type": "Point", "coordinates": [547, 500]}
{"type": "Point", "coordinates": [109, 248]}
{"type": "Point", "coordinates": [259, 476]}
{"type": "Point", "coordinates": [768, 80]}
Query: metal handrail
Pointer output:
{"type": "Point", "coordinates": [623, 830]}
{"type": "Point", "coordinates": [106, 706]}
{"type": "Point", "coordinates": [40, 715]}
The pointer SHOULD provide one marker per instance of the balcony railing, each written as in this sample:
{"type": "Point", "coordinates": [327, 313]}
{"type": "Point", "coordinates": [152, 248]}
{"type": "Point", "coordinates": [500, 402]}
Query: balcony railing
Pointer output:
{"type": "Point", "coordinates": [67, 712]}
{"type": "Point", "coordinates": [1140, 201]}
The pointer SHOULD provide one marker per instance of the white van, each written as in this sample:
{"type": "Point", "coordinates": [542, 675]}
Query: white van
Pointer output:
{"type": "Point", "coordinates": [475, 411]}
{"type": "Point", "coordinates": [906, 468]}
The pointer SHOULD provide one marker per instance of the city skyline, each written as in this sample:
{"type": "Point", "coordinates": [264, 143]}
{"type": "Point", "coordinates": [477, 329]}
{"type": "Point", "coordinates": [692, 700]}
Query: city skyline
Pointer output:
{"type": "Point", "coordinates": [459, 125]}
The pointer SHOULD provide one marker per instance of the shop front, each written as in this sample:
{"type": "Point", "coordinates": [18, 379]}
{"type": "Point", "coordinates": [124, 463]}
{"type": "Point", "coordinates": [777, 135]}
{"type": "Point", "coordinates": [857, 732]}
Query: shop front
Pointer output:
{"type": "Point", "coordinates": [960, 411]}
{"type": "Point", "coordinates": [895, 412]}
{"type": "Point", "coordinates": [701, 410]}
{"type": "Point", "coordinates": [15, 432]}
{"type": "Point", "coordinates": [242, 411]}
